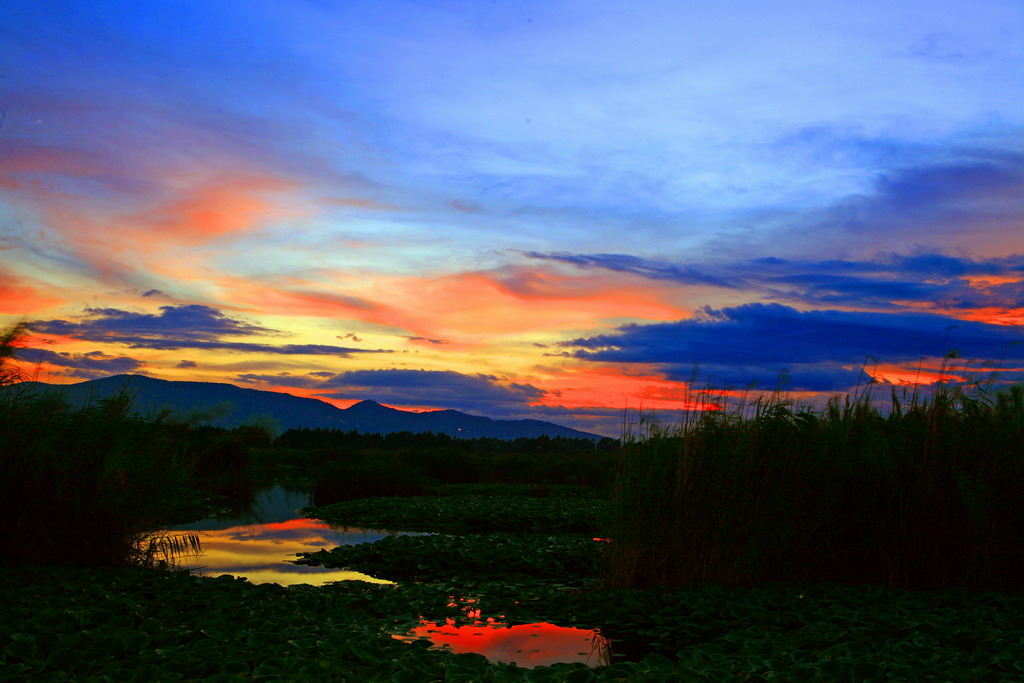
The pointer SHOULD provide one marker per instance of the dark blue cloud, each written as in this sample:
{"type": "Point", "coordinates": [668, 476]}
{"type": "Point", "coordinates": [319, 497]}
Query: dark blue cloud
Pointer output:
{"type": "Point", "coordinates": [941, 265]}
{"type": "Point", "coordinates": [191, 326]}
{"type": "Point", "coordinates": [820, 350]}
{"type": "Point", "coordinates": [927, 188]}
{"type": "Point", "coordinates": [442, 388]}
{"type": "Point", "coordinates": [894, 280]}
{"type": "Point", "coordinates": [930, 264]}
{"type": "Point", "coordinates": [839, 289]}
{"type": "Point", "coordinates": [823, 377]}
{"type": "Point", "coordinates": [428, 340]}
{"type": "Point", "coordinates": [192, 322]}
{"type": "Point", "coordinates": [171, 344]}
{"type": "Point", "coordinates": [91, 365]}
{"type": "Point", "coordinates": [890, 281]}
{"type": "Point", "coordinates": [654, 270]}
{"type": "Point", "coordinates": [967, 191]}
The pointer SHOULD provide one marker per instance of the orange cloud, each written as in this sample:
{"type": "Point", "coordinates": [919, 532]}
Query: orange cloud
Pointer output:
{"type": "Point", "coordinates": [932, 370]}
{"type": "Point", "coordinates": [216, 207]}
{"type": "Point", "coordinates": [480, 306]}
{"type": "Point", "coordinates": [18, 299]}
{"type": "Point", "coordinates": [465, 310]}
{"type": "Point", "coordinates": [120, 247]}
{"type": "Point", "coordinates": [294, 296]}
{"type": "Point", "coordinates": [611, 387]}
{"type": "Point", "coordinates": [994, 315]}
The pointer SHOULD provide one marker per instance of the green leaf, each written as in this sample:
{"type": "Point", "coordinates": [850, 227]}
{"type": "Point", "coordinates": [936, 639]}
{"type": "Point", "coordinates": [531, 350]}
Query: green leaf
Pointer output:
{"type": "Point", "coordinates": [802, 674]}
{"type": "Point", "coordinates": [21, 649]}
{"type": "Point", "coordinates": [134, 642]}
{"type": "Point", "coordinates": [863, 670]}
{"type": "Point", "coordinates": [65, 659]}
{"type": "Point", "coordinates": [216, 633]}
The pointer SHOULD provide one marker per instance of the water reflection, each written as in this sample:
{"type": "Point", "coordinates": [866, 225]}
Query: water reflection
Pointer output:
{"type": "Point", "coordinates": [526, 645]}
{"type": "Point", "coordinates": [274, 504]}
{"type": "Point", "coordinates": [260, 544]}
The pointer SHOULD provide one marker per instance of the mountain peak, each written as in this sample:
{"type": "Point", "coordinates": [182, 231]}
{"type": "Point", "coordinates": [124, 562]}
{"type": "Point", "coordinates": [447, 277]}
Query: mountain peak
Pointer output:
{"type": "Point", "coordinates": [228, 405]}
{"type": "Point", "coordinates": [369, 405]}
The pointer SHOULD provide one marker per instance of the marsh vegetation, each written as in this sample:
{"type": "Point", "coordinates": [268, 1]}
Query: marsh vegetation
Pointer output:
{"type": "Point", "coordinates": [912, 492]}
{"type": "Point", "coordinates": [766, 543]}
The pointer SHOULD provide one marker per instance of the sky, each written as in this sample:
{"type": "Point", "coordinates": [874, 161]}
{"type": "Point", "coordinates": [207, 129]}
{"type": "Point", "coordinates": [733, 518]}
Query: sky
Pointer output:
{"type": "Point", "coordinates": [518, 209]}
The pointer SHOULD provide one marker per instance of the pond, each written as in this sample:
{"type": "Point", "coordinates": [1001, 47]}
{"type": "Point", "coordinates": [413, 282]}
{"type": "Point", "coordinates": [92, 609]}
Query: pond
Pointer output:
{"type": "Point", "coordinates": [261, 543]}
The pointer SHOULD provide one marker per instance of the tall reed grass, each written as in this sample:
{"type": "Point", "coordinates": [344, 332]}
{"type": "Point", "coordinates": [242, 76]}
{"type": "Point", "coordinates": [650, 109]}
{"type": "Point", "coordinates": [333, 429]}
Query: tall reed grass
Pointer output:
{"type": "Point", "coordinates": [923, 492]}
{"type": "Point", "coordinates": [83, 485]}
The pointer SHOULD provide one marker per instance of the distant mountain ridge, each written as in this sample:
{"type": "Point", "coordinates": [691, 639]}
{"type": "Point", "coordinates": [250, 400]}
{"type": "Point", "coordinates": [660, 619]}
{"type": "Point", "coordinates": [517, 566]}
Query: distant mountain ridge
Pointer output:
{"type": "Point", "coordinates": [226, 405]}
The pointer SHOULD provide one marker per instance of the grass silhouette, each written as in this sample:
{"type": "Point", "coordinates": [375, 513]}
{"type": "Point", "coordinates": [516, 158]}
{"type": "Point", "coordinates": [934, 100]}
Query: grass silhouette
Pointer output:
{"type": "Point", "coordinates": [925, 492]}
{"type": "Point", "coordinates": [84, 485]}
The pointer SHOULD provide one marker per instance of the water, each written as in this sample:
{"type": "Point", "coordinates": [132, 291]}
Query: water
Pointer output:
{"type": "Point", "coordinates": [526, 645]}
{"type": "Point", "coordinates": [260, 545]}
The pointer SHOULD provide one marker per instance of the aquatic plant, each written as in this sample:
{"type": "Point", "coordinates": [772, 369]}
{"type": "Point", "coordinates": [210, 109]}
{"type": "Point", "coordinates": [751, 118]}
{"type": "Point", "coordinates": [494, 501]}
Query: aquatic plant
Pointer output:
{"type": "Point", "coordinates": [926, 492]}
{"type": "Point", "coordinates": [474, 512]}
{"type": "Point", "coordinates": [68, 623]}
{"type": "Point", "coordinates": [83, 485]}
{"type": "Point", "coordinates": [10, 343]}
{"type": "Point", "coordinates": [444, 557]}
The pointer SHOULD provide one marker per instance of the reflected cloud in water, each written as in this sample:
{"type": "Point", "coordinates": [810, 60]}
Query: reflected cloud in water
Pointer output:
{"type": "Point", "coordinates": [261, 544]}
{"type": "Point", "coordinates": [526, 645]}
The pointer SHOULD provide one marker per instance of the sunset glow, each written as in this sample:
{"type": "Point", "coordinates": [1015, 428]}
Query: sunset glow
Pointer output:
{"type": "Point", "coordinates": [553, 211]}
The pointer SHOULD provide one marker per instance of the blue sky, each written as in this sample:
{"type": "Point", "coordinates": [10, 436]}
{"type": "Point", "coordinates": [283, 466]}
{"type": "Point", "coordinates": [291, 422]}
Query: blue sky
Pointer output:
{"type": "Point", "coordinates": [239, 192]}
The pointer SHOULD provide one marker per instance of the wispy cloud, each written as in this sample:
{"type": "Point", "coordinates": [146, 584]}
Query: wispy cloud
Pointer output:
{"type": "Point", "coordinates": [626, 263]}
{"type": "Point", "coordinates": [888, 281]}
{"type": "Point", "coordinates": [442, 388]}
{"type": "Point", "coordinates": [90, 365]}
{"type": "Point", "coordinates": [192, 326]}
{"type": "Point", "coordinates": [216, 207]}
{"type": "Point", "coordinates": [427, 340]}
{"type": "Point", "coordinates": [283, 379]}
{"type": "Point", "coordinates": [193, 322]}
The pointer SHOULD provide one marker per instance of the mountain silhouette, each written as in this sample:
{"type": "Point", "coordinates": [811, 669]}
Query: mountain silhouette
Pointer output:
{"type": "Point", "coordinates": [225, 405]}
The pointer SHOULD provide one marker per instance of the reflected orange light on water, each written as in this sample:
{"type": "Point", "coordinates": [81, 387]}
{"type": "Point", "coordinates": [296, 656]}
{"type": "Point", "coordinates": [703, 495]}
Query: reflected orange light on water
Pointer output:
{"type": "Point", "coordinates": [526, 645]}
{"type": "Point", "coordinates": [262, 553]}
